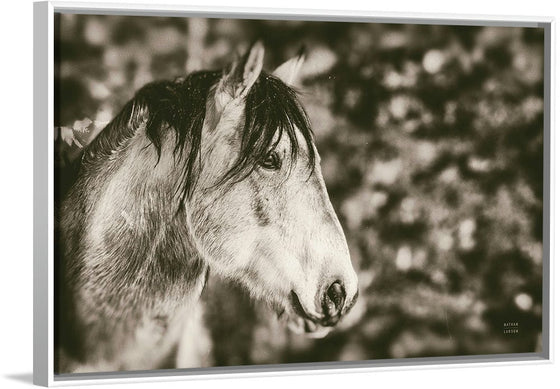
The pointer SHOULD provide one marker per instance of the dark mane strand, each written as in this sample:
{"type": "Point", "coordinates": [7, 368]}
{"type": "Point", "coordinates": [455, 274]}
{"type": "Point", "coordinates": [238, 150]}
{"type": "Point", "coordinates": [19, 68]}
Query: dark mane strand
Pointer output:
{"type": "Point", "coordinates": [271, 109]}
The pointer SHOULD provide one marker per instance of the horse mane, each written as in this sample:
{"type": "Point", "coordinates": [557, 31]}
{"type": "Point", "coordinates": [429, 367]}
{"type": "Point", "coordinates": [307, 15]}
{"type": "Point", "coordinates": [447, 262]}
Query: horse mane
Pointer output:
{"type": "Point", "coordinates": [271, 109]}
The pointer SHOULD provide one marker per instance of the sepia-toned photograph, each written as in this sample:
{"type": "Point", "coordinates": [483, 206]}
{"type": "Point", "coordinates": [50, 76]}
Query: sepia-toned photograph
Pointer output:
{"type": "Point", "coordinates": [241, 192]}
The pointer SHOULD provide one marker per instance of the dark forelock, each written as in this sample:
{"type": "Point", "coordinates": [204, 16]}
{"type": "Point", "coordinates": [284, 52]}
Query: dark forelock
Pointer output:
{"type": "Point", "coordinates": [271, 109]}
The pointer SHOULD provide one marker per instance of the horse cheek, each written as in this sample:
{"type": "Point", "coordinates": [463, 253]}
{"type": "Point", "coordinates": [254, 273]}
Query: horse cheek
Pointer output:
{"type": "Point", "coordinates": [223, 230]}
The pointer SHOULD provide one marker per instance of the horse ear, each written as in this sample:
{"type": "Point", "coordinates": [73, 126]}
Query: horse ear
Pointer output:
{"type": "Point", "coordinates": [288, 72]}
{"type": "Point", "coordinates": [243, 74]}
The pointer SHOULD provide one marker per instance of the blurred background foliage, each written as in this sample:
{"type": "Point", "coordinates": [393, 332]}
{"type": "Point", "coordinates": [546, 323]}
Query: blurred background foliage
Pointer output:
{"type": "Point", "coordinates": [431, 140]}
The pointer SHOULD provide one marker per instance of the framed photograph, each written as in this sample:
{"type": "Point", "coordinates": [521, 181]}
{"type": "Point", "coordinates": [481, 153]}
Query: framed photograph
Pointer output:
{"type": "Point", "coordinates": [224, 192]}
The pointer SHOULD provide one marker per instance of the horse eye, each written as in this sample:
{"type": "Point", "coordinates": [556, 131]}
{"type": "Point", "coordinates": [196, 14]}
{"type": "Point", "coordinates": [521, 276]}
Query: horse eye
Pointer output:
{"type": "Point", "coordinates": [271, 161]}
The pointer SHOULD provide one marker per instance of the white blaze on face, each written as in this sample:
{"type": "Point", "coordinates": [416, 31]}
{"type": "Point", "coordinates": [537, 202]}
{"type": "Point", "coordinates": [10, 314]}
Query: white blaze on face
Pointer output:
{"type": "Point", "coordinates": [322, 239]}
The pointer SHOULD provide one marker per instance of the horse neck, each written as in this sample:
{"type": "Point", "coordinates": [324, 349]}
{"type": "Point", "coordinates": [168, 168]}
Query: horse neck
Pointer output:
{"type": "Point", "coordinates": [134, 249]}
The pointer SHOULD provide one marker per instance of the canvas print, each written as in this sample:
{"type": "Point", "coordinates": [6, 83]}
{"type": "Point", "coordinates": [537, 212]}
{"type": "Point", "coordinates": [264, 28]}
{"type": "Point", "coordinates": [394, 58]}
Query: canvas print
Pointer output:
{"type": "Point", "coordinates": [234, 192]}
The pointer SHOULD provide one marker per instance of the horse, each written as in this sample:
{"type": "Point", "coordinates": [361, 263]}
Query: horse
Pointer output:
{"type": "Point", "coordinates": [215, 172]}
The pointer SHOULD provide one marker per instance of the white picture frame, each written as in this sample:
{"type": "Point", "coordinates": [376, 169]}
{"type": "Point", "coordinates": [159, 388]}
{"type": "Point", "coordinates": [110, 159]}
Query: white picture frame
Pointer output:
{"type": "Point", "coordinates": [43, 189]}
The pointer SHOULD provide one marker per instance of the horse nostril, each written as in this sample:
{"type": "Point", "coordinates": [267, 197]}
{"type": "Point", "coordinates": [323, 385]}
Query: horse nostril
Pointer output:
{"type": "Point", "coordinates": [334, 299]}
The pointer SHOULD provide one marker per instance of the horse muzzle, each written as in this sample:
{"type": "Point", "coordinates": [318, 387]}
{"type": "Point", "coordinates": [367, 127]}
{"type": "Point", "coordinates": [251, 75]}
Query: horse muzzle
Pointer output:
{"type": "Point", "coordinates": [334, 305]}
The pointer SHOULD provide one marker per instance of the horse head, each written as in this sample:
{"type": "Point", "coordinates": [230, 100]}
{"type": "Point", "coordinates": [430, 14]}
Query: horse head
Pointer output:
{"type": "Point", "coordinates": [259, 213]}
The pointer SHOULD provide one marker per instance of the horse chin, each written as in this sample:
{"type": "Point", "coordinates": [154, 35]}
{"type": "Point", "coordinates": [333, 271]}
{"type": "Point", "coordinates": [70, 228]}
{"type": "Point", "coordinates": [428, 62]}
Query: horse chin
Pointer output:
{"type": "Point", "coordinates": [300, 325]}
{"type": "Point", "coordinates": [301, 322]}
